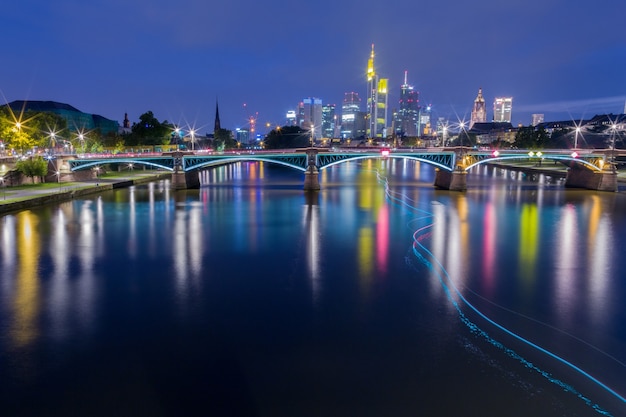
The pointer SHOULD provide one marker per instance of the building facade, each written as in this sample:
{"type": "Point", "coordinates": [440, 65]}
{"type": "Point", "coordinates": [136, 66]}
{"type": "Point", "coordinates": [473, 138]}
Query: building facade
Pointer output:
{"type": "Point", "coordinates": [353, 120]}
{"type": "Point", "coordinates": [537, 118]}
{"type": "Point", "coordinates": [502, 107]}
{"type": "Point", "coordinates": [311, 115]}
{"type": "Point", "coordinates": [329, 120]}
{"type": "Point", "coordinates": [77, 121]}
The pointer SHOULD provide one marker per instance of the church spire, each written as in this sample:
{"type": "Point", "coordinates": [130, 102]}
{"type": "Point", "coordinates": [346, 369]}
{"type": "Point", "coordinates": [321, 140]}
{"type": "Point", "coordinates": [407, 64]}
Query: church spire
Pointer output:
{"type": "Point", "coordinates": [217, 118]}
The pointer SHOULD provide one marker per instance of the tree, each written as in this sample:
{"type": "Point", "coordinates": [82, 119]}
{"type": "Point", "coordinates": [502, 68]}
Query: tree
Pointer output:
{"type": "Point", "coordinates": [149, 131]}
{"type": "Point", "coordinates": [288, 137]}
{"type": "Point", "coordinates": [223, 139]}
{"type": "Point", "coordinates": [33, 167]}
{"type": "Point", "coordinates": [30, 129]}
{"type": "Point", "coordinates": [530, 138]}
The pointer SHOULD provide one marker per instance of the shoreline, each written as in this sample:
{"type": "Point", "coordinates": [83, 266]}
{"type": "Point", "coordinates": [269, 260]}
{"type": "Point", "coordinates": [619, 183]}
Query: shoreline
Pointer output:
{"type": "Point", "coordinates": [36, 197]}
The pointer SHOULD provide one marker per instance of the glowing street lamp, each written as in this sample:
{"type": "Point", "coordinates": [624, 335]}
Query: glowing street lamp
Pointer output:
{"type": "Point", "coordinates": [192, 132]}
{"type": "Point", "coordinates": [576, 137]}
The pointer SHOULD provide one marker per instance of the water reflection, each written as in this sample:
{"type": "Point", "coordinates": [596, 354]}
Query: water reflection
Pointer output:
{"type": "Point", "coordinates": [24, 328]}
{"type": "Point", "coordinates": [523, 251]}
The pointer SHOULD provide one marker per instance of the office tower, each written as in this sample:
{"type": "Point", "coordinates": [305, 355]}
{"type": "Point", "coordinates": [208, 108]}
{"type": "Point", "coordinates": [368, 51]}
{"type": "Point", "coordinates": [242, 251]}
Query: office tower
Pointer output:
{"type": "Point", "coordinates": [479, 111]}
{"type": "Point", "coordinates": [407, 118]}
{"type": "Point", "coordinates": [290, 118]}
{"type": "Point", "coordinates": [537, 118]}
{"type": "Point", "coordinates": [377, 101]}
{"type": "Point", "coordinates": [502, 109]}
{"type": "Point", "coordinates": [328, 120]}
{"type": "Point", "coordinates": [311, 112]}
{"type": "Point", "coordinates": [425, 125]}
{"type": "Point", "coordinates": [353, 120]}
{"type": "Point", "coordinates": [382, 104]}
{"type": "Point", "coordinates": [243, 135]}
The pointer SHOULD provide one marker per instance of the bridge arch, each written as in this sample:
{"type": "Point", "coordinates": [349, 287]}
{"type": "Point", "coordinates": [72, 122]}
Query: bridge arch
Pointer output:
{"type": "Point", "coordinates": [559, 158]}
{"type": "Point", "coordinates": [373, 156]}
{"type": "Point", "coordinates": [223, 161]}
{"type": "Point", "coordinates": [79, 164]}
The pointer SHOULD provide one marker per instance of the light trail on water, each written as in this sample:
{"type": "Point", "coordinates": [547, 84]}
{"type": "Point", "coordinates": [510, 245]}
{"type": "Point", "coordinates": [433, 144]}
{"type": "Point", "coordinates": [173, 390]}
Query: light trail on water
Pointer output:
{"type": "Point", "coordinates": [426, 257]}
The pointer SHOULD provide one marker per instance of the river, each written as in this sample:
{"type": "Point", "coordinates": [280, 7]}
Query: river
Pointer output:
{"type": "Point", "coordinates": [378, 296]}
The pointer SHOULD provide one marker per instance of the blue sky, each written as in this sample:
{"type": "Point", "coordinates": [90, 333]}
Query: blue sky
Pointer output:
{"type": "Point", "coordinates": [566, 59]}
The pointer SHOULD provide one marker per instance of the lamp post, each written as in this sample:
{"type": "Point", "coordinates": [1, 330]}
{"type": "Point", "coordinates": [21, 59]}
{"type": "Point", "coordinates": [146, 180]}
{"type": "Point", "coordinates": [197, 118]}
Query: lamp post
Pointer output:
{"type": "Point", "coordinates": [192, 132]}
{"type": "Point", "coordinates": [81, 140]}
{"type": "Point", "coordinates": [612, 157]}
{"type": "Point", "coordinates": [576, 137]}
{"type": "Point", "coordinates": [312, 135]}
{"type": "Point", "coordinates": [52, 142]}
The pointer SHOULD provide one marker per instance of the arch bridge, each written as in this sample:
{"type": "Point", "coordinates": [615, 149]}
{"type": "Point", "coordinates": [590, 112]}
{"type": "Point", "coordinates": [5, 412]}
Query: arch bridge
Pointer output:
{"type": "Point", "coordinates": [588, 169]}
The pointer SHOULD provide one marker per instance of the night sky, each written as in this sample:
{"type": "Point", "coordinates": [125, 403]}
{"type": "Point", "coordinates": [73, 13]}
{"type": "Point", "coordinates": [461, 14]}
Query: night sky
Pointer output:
{"type": "Point", "coordinates": [566, 59]}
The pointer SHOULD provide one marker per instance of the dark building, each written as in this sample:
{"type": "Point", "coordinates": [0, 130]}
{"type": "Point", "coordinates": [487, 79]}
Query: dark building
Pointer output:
{"type": "Point", "coordinates": [77, 121]}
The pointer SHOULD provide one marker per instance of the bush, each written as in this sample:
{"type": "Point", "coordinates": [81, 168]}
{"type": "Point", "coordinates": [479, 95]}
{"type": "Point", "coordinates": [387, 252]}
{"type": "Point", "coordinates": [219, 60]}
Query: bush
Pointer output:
{"type": "Point", "coordinates": [33, 167]}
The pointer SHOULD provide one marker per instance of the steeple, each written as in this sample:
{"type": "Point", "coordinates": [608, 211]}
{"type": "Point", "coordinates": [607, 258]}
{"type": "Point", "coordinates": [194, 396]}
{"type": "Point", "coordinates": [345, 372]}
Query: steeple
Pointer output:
{"type": "Point", "coordinates": [217, 118]}
{"type": "Point", "coordinates": [479, 111]}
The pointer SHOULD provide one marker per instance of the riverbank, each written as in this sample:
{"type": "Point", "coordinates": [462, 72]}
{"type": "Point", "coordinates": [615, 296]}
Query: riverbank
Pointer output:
{"type": "Point", "coordinates": [28, 196]}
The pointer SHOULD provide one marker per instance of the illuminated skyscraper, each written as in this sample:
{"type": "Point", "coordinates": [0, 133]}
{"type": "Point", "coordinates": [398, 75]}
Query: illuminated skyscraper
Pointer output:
{"type": "Point", "coordinates": [377, 101]}
{"type": "Point", "coordinates": [290, 118]}
{"type": "Point", "coordinates": [502, 109]}
{"type": "Point", "coordinates": [537, 118]}
{"type": "Point", "coordinates": [328, 120]}
{"type": "Point", "coordinates": [479, 111]}
{"type": "Point", "coordinates": [311, 113]}
{"type": "Point", "coordinates": [407, 117]}
{"type": "Point", "coordinates": [352, 118]}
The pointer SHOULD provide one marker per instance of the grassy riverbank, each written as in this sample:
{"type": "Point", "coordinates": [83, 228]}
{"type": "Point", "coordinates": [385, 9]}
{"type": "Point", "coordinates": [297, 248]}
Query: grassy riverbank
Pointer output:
{"type": "Point", "coordinates": [32, 195]}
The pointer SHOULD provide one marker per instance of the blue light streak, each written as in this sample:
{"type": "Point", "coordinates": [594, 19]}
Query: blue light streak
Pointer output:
{"type": "Point", "coordinates": [422, 254]}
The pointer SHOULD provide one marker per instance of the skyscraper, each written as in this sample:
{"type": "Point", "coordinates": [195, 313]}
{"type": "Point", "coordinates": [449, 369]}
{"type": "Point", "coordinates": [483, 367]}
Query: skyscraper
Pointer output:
{"type": "Point", "coordinates": [479, 111]}
{"type": "Point", "coordinates": [290, 118]}
{"type": "Point", "coordinates": [407, 117]}
{"type": "Point", "coordinates": [377, 101]}
{"type": "Point", "coordinates": [312, 115]}
{"type": "Point", "coordinates": [502, 109]}
{"type": "Point", "coordinates": [352, 118]}
{"type": "Point", "coordinates": [537, 118]}
{"type": "Point", "coordinates": [328, 120]}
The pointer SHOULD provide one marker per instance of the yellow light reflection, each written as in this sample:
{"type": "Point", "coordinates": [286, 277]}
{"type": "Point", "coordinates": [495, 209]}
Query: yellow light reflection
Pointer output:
{"type": "Point", "coordinates": [529, 242]}
{"type": "Point", "coordinates": [26, 302]}
{"type": "Point", "coordinates": [366, 257]}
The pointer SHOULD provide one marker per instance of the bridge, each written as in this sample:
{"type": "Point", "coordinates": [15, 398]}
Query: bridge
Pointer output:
{"type": "Point", "coordinates": [588, 169]}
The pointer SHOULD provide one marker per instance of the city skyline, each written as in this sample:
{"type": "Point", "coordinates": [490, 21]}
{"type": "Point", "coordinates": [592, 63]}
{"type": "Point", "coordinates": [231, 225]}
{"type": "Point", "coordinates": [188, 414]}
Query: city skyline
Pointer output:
{"type": "Point", "coordinates": [177, 60]}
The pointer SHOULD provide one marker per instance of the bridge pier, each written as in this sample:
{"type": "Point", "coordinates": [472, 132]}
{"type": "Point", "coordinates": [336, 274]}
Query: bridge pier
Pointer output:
{"type": "Point", "coordinates": [312, 175]}
{"type": "Point", "coordinates": [181, 179]}
{"type": "Point", "coordinates": [580, 177]}
{"type": "Point", "coordinates": [451, 180]}
{"type": "Point", "coordinates": [185, 180]}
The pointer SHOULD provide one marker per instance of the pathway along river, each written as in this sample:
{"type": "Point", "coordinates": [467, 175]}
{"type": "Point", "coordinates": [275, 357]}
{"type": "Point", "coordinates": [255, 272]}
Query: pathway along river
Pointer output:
{"type": "Point", "coordinates": [378, 296]}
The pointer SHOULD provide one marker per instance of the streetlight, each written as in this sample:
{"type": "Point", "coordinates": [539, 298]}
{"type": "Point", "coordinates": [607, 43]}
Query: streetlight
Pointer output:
{"type": "Point", "coordinates": [312, 134]}
{"type": "Point", "coordinates": [576, 137]}
{"type": "Point", "coordinates": [192, 132]}
{"type": "Point", "coordinates": [613, 133]}
{"type": "Point", "coordinates": [53, 141]}
{"type": "Point", "coordinates": [81, 140]}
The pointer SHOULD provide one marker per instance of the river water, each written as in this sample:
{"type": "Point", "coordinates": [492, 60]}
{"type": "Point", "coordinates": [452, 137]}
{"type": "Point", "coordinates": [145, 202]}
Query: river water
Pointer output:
{"type": "Point", "coordinates": [377, 296]}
